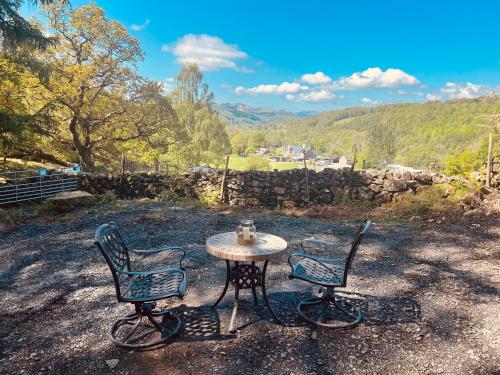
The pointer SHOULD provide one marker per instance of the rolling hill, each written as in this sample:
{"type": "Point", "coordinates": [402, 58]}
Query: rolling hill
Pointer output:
{"type": "Point", "coordinates": [425, 134]}
{"type": "Point", "coordinates": [244, 115]}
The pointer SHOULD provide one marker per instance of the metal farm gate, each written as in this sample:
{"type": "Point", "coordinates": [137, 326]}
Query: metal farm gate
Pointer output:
{"type": "Point", "coordinates": [30, 184]}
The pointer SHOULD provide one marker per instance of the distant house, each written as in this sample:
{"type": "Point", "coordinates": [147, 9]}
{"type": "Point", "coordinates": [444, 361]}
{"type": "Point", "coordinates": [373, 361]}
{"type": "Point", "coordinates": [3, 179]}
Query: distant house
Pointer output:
{"type": "Point", "coordinates": [263, 151]}
{"type": "Point", "coordinates": [344, 162]}
{"type": "Point", "coordinates": [298, 153]}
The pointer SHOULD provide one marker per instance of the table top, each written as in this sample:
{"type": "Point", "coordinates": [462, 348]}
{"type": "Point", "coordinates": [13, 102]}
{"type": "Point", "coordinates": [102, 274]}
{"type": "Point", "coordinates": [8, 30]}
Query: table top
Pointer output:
{"type": "Point", "coordinates": [225, 246]}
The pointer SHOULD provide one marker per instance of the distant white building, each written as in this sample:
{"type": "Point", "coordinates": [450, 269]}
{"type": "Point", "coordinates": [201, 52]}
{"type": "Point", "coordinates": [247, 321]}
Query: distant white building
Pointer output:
{"type": "Point", "coordinates": [263, 151]}
{"type": "Point", "coordinates": [297, 153]}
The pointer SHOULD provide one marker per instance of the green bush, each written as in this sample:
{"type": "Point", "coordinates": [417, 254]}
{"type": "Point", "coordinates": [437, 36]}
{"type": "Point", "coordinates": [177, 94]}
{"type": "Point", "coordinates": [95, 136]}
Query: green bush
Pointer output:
{"type": "Point", "coordinates": [462, 163]}
{"type": "Point", "coordinates": [208, 198]}
{"type": "Point", "coordinates": [167, 196]}
{"type": "Point", "coordinates": [108, 197]}
{"type": "Point", "coordinates": [258, 163]}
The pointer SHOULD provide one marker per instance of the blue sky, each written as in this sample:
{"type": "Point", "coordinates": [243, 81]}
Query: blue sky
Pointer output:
{"type": "Point", "coordinates": [318, 55]}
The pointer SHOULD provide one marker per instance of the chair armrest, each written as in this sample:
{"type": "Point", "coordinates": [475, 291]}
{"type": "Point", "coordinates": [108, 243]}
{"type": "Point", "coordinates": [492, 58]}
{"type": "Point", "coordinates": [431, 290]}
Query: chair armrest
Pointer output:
{"type": "Point", "coordinates": [160, 249]}
{"type": "Point", "coordinates": [314, 259]}
{"type": "Point", "coordinates": [149, 272]}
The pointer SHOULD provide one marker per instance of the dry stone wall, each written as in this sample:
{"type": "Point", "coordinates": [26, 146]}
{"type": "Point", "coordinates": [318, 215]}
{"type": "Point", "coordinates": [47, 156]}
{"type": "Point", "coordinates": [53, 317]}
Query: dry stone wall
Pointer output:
{"type": "Point", "coordinates": [266, 189]}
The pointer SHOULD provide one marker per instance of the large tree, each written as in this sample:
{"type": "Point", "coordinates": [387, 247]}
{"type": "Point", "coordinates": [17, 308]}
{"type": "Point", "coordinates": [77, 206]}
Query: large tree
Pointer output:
{"type": "Point", "coordinates": [381, 144]}
{"type": "Point", "coordinates": [207, 141]}
{"type": "Point", "coordinates": [94, 91]}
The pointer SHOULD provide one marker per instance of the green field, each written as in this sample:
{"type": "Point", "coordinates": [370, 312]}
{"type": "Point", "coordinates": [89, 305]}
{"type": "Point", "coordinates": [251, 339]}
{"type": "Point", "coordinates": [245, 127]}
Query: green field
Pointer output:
{"type": "Point", "coordinates": [241, 163]}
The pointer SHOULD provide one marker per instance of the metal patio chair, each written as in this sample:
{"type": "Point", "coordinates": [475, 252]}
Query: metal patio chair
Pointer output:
{"type": "Point", "coordinates": [142, 289]}
{"type": "Point", "coordinates": [324, 263]}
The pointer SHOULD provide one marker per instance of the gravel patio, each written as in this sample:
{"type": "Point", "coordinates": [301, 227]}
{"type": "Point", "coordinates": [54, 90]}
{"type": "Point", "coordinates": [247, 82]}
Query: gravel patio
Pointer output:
{"type": "Point", "coordinates": [428, 293]}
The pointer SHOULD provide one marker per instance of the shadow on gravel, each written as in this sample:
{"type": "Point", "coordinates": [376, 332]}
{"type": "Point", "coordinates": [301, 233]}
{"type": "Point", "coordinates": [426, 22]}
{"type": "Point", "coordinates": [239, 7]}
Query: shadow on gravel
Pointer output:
{"type": "Point", "coordinates": [200, 323]}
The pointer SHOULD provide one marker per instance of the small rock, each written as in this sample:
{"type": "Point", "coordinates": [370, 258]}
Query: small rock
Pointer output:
{"type": "Point", "coordinates": [283, 354]}
{"type": "Point", "coordinates": [112, 363]}
{"type": "Point", "coordinates": [314, 335]}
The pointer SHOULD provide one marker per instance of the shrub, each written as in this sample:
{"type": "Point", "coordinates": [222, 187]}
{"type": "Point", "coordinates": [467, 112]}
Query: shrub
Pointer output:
{"type": "Point", "coordinates": [208, 198]}
{"type": "Point", "coordinates": [258, 163]}
{"type": "Point", "coordinates": [167, 196]}
{"type": "Point", "coordinates": [462, 163]}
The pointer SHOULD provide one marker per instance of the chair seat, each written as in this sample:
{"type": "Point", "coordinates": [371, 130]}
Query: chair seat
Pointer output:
{"type": "Point", "coordinates": [310, 270]}
{"type": "Point", "coordinates": [150, 287]}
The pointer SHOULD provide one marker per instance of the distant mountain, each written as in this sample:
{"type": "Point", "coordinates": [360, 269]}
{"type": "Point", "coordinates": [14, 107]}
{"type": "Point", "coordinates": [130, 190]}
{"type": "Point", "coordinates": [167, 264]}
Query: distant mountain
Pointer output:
{"type": "Point", "coordinates": [306, 113]}
{"type": "Point", "coordinates": [245, 115]}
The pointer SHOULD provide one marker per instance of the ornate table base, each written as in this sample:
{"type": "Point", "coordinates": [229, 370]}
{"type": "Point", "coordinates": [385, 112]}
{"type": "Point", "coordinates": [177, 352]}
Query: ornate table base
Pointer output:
{"type": "Point", "coordinates": [245, 276]}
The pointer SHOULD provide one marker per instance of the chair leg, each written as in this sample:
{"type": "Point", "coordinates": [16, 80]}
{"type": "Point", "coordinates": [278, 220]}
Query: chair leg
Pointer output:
{"type": "Point", "coordinates": [323, 303]}
{"type": "Point", "coordinates": [141, 336]}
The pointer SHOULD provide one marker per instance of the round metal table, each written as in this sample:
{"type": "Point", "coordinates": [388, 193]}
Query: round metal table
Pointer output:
{"type": "Point", "coordinates": [245, 275]}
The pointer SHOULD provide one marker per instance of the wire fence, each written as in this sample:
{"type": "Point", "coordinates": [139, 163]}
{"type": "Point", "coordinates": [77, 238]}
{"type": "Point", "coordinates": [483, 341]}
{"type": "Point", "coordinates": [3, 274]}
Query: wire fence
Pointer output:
{"type": "Point", "coordinates": [161, 165]}
{"type": "Point", "coordinates": [32, 184]}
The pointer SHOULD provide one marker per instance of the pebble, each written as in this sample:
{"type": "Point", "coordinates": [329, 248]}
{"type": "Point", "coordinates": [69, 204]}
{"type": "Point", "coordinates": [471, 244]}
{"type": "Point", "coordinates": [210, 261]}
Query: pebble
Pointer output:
{"type": "Point", "coordinates": [112, 363]}
{"type": "Point", "coordinates": [314, 335]}
{"type": "Point", "coordinates": [283, 354]}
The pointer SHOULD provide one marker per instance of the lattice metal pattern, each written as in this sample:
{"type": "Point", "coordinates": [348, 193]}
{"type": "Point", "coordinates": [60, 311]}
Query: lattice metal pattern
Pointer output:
{"type": "Point", "coordinates": [112, 244]}
{"type": "Point", "coordinates": [246, 276]}
{"type": "Point", "coordinates": [320, 271]}
{"type": "Point", "coordinates": [329, 269]}
{"type": "Point", "coordinates": [171, 282]}
{"type": "Point", "coordinates": [321, 248]}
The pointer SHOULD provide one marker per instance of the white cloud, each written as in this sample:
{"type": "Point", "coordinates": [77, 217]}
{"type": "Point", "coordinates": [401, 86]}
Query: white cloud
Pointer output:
{"type": "Point", "coordinates": [433, 97]}
{"type": "Point", "coordinates": [283, 88]}
{"type": "Point", "coordinates": [137, 27]}
{"type": "Point", "coordinates": [369, 101]}
{"type": "Point", "coordinates": [375, 78]}
{"type": "Point", "coordinates": [464, 91]}
{"type": "Point", "coordinates": [316, 96]}
{"type": "Point", "coordinates": [316, 78]}
{"type": "Point", "coordinates": [208, 52]}
{"type": "Point", "coordinates": [407, 93]}
{"type": "Point", "coordinates": [312, 96]}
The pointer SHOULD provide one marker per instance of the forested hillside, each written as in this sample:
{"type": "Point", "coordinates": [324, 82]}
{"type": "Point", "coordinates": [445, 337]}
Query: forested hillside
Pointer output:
{"type": "Point", "coordinates": [418, 135]}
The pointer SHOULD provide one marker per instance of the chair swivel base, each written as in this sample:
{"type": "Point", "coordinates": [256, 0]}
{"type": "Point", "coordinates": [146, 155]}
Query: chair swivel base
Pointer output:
{"type": "Point", "coordinates": [320, 311]}
{"type": "Point", "coordinates": [145, 332]}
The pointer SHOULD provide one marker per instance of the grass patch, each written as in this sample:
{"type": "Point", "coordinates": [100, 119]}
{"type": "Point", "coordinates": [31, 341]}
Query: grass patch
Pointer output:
{"type": "Point", "coordinates": [242, 163]}
{"type": "Point", "coordinates": [439, 199]}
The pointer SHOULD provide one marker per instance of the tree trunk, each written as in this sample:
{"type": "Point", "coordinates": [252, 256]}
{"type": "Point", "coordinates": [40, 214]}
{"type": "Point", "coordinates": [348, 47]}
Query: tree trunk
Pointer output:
{"type": "Point", "coordinates": [86, 160]}
{"type": "Point", "coordinates": [489, 167]}
{"type": "Point", "coordinates": [84, 152]}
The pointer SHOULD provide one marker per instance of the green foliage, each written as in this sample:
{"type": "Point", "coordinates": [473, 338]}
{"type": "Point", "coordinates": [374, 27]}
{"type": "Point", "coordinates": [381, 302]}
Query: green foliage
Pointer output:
{"type": "Point", "coordinates": [95, 106]}
{"type": "Point", "coordinates": [109, 197]}
{"type": "Point", "coordinates": [424, 135]}
{"type": "Point", "coordinates": [208, 198]}
{"type": "Point", "coordinates": [430, 200]}
{"type": "Point", "coordinates": [462, 163]}
{"type": "Point", "coordinates": [167, 196]}
{"type": "Point", "coordinates": [381, 144]}
{"type": "Point", "coordinates": [258, 163]}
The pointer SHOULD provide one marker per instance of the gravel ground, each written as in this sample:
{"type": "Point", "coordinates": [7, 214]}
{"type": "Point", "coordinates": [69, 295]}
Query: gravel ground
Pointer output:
{"type": "Point", "coordinates": [429, 295]}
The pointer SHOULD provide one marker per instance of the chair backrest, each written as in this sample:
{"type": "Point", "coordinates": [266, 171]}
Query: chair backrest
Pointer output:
{"type": "Point", "coordinates": [365, 225]}
{"type": "Point", "coordinates": [113, 248]}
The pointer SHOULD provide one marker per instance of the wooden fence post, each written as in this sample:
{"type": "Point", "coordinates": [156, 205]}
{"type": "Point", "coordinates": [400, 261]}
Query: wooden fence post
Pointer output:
{"type": "Point", "coordinates": [489, 166]}
{"type": "Point", "coordinates": [221, 200]}
{"type": "Point", "coordinates": [307, 179]}
{"type": "Point", "coordinates": [351, 175]}
{"type": "Point", "coordinates": [122, 164]}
